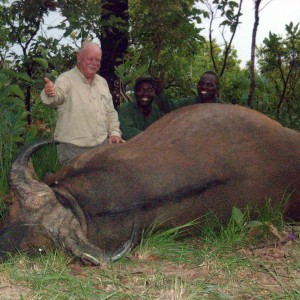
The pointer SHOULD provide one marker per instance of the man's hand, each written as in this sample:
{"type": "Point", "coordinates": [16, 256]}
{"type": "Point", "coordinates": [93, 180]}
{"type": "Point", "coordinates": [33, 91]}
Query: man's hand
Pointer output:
{"type": "Point", "coordinates": [114, 139]}
{"type": "Point", "coordinates": [49, 87]}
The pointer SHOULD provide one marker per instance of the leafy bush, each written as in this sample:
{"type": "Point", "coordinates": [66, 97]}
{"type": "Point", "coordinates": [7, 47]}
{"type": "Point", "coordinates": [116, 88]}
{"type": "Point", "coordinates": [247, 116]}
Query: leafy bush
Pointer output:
{"type": "Point", "coordinates": [15, 132]}
{"type": "Point", "coordinates": [13, 126]}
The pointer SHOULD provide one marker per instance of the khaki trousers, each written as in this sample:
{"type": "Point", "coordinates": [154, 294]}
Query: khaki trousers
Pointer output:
{"type": "Point", "coordinates": [66, 152]}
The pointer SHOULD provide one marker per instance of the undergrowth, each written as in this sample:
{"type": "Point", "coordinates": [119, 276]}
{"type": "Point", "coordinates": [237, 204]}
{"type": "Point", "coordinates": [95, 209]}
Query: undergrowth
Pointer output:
{"type": "Point", "coordinates": [233, 261]}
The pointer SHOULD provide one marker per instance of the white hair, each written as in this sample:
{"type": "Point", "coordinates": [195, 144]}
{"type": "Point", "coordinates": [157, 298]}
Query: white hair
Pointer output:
{"type": "Point", "coordinates": [87, 44]}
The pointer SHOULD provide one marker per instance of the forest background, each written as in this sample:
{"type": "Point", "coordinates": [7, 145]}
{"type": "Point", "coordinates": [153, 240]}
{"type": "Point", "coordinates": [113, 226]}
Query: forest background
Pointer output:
{"type": "Point", "coordinates": [161, 38]}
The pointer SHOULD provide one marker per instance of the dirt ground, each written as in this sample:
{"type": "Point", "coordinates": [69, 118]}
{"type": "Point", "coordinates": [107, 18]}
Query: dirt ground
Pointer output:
{"type": "Point", "coordinates": [271, 274]}
{"type": "Point", "coordinates": [10, 291]}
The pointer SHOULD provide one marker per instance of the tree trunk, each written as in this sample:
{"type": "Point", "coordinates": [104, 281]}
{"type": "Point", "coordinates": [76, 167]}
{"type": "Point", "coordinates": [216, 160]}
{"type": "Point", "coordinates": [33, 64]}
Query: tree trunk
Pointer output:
{"type": "Point", "coordinates": [114, 46]}
{"type": "Point", "coordinates": [252, 63]}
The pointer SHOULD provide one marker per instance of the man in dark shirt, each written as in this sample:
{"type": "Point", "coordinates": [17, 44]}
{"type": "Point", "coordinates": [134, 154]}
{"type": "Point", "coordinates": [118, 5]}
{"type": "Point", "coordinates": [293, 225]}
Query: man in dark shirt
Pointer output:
{"type": "Point", "coordinates": [208, 91]}
{"type": "Point", "coordinates": [135, 116]}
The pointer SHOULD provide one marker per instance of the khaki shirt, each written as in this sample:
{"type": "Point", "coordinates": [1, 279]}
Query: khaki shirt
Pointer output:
{"type": "Point", "coordinates": [86, 115]}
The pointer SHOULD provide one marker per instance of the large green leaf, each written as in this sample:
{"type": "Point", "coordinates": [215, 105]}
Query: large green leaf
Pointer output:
{"type": "Point", "coordinates": [23, 76]}
{"type": "Point", "coordinates": [16, 90]}
{"type": "Point", "coordinates": [41, 61]}
{"type": "Point", "coordinates": [237, 216]}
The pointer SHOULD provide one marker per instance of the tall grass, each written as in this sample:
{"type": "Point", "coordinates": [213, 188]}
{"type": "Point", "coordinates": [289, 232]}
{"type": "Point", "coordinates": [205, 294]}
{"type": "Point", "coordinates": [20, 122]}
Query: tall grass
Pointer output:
{"type": "Point", "coordinates": [14, 133]}
{"type": "Point", "coordinates": [165, 242]}
{"type": "Point", "coordinates": [241, 230]}
{"type": "Point", "coordinates": [45, 160]}
{"type": "Point", "coordinates": [12, 129]}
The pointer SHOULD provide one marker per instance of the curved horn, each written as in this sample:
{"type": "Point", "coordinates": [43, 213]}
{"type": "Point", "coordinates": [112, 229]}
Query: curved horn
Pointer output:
{"type": "Point", "coordinates": [31, 193]}
{"type": "Point", "coordinates": [42, 209]}
{"type": "Point", "coordinates": [125, 249]}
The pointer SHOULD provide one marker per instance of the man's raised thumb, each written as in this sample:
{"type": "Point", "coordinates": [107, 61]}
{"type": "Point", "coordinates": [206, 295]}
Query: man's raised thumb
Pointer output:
{"type": "Point", "coordinates": [46, 80]}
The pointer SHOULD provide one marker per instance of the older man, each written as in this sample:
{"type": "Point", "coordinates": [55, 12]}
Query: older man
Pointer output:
{"type": "Point", "coordinates": [86, 115]}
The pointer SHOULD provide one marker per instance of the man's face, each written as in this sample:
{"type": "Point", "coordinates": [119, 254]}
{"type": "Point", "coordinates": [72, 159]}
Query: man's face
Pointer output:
{"type": "Point", "coordinates": [144, 93]}
{"type": "Point", "coordinates": [89, 61]}
{"type": "Point", "coordinates": [207, 88]}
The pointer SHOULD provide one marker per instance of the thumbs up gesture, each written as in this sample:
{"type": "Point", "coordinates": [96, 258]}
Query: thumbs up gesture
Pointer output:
{"type": "Point", "coordinates": [49, 87]}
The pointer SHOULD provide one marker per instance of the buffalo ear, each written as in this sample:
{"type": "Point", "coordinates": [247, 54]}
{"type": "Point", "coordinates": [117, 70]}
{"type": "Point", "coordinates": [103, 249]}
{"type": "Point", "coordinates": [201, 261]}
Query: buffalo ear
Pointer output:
{"type": "Point", "coordinates": [11, 239]}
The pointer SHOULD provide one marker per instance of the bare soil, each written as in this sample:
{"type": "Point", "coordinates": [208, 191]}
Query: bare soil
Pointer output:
{"type": "Point", "coordinates": [271, 272]}
{"type": "Point", "coordinates": [10, 291]}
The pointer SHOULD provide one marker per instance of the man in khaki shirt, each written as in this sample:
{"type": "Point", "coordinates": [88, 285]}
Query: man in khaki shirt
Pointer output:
{"type": "Point", "coordinates": [86, 115]}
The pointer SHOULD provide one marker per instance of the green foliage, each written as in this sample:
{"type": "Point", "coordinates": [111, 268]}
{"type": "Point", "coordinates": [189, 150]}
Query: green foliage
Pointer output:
{"type": "Point", "coordinates": [227, 9]}
{"type": "Point", "coordinates": [41, 61]}
{"type": "Point", "coordinates": [233, 84]}
{"type": "Point", "coordinates": [279, 60]}
{"type": "Point", "coordinates": [31, 56]}
{"type": "Point", "coordinates": [14, 133]}
{"type": "Point", "coordinates": [234, 87]}
{"type": "Point", "coordinates": [4, 35]}
{"type": "Point", "coordinates": [86, 19]}
{"type": "Point", "coordinates": [242, 225]}
{"type": "Point", "coordinates": [226, 14]}
{"type": "Point", "coordinates": [158, 242]}
{"type": "Point", "coordinates": [44, 57]}
{"type": "Point", "coordinates": [25, 18]}
{"type": "Point", "coordinates": [12, 130]}
{"type": "Point", "coordinates": [45, 161]}
{"type": "Point", "coordinates": [238, 232]}
{"type": "Point", "coordinates": [164, 40]}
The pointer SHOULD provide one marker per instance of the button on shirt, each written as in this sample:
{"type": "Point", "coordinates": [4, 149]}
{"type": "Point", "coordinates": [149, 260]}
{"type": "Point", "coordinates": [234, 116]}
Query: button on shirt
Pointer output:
{"type": "Point", "coordinates": [86, 115]}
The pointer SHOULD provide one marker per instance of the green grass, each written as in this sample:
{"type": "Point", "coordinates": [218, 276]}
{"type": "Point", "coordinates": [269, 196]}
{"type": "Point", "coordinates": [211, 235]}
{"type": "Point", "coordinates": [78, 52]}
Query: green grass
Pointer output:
{"type": "Point", "coordinates": [45, 160]}
{"type": "Point", "coordinates": [166, 243]}
{"type": "Point", "coordinates": [220, 262]}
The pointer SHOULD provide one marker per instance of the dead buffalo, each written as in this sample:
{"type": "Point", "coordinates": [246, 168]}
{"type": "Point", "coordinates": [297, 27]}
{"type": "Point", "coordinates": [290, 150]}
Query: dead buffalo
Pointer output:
{"type": "Point", "coordinates": [200, 158]}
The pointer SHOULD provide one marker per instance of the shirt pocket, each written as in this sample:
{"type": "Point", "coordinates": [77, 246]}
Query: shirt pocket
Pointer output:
{"type": "Point", "coordinates": [80, 100]}
{"type": "Point", "coordinates": [103, 101]}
